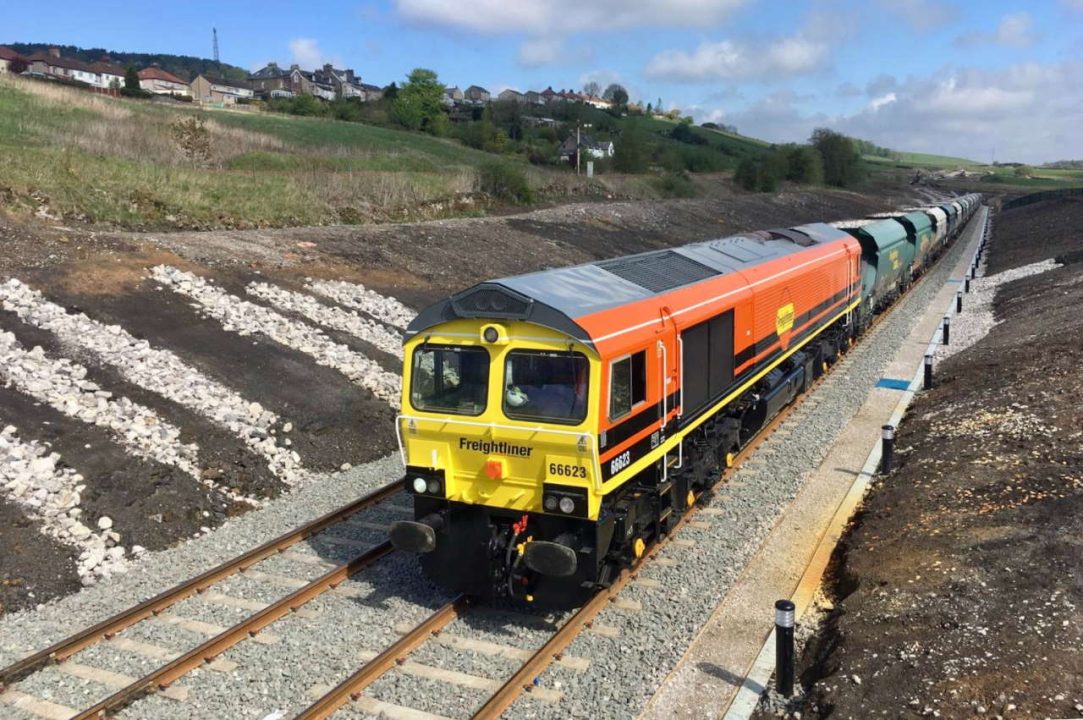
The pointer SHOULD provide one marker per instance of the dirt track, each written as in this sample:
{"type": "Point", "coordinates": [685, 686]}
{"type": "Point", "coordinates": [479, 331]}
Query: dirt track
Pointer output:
{"type": "Point", "coordinates": [957, 592]}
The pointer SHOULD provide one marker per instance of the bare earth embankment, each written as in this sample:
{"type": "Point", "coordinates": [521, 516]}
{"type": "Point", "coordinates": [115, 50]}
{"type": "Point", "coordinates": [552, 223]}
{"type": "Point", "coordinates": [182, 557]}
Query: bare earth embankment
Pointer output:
{"type": "Point", "coordinates": [958, 589]}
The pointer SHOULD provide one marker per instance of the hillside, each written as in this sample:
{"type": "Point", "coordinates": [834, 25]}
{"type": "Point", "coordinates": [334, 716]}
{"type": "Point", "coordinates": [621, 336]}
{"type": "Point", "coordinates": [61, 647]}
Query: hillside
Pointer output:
{"type": "Point", "coordinates": [183, 66]}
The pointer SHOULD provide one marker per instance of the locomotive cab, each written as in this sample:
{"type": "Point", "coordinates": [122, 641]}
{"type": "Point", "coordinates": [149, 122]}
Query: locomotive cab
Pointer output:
{"type": "Point", "coordinates": [498, 437]}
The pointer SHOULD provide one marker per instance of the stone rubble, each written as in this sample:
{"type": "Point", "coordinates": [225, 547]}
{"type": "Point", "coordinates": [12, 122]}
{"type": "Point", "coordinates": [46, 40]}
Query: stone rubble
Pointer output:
{"type": "Point", "coordinates": [333, 317]}
{"type": "Point", "coordinates": [247, 318]}
{"type": "Point", "coordinates": [357, 296]}
{"type": "Point", "coordinates": [977, 318]}
{"type": "Point", "coordinates": [62, 385]}
{"type": "Point", "coordinates": [161, 372]}
{"type": "Point", "coordinates": [50, 492]}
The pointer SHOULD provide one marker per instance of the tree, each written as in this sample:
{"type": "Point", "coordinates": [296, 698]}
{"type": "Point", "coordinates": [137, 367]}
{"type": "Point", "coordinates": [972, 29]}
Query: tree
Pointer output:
{"type": "Point", "coordinates": [592, 89]}
{"type": "Point", "coordinates": [840, 159]}
{"type": "Point", "coordinates": [391, 91]}
{"type": "Point", "coordinates": [632, 151]}
{"type": "Point", "coordinates": [419, 100]}
{"type": "Point", "coordinates": [131, 78]}
{"type": "Point", "coordinates": [18, 66]}
{"type": "Point", "coordinates": [650, 109]}
{"type": "Point", "coordinates": [803, 164]}
{"type": "Point", "coordinates": [616, 94]}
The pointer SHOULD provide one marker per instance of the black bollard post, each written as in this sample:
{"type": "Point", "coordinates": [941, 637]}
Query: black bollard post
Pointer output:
{"type": "Point", "coordinates": [784, 621]}
{"type": "Point", "coordinates": [928, 372]}
{"type": "Point", "coordinates": [959, 301]}
{"type": "Point", "coordinates": [887, 448]}
{"type": "Point", "coordinates": [947, 328]}
{"type": "Point", "coordinates": [966, 284]}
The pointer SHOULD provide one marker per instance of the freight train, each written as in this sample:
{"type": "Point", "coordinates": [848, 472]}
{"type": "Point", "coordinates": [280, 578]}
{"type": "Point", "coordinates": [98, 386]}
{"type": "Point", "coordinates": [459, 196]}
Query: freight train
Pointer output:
{"type": "Point", "coordinates": [558, 423]}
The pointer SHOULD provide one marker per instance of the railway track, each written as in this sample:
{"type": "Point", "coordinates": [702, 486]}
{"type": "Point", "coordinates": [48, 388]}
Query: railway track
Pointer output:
{"type": "Point", "coordinates": [521, 681]}
{"type": "Point", "coordinates": [205, 653]}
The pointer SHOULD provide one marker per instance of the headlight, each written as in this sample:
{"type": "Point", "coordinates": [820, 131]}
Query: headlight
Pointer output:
{"type": "Point", "coordinates": [567, 505]}
{"type": "Point", "coordinates": [419, 485]}
{"type": "Point", "coordinates": [433, 486]}
{"type": "Point", "coordinates": [550, 503]}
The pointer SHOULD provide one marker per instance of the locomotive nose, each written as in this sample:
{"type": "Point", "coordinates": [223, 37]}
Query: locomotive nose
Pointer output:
{"type": "Point", "coordinates": [416, 536]}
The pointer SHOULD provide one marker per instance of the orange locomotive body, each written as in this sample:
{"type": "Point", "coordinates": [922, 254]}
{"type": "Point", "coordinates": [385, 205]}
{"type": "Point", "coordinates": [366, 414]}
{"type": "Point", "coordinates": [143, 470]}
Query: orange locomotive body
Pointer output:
{"type": "Point", "coordinates": [557, 423]}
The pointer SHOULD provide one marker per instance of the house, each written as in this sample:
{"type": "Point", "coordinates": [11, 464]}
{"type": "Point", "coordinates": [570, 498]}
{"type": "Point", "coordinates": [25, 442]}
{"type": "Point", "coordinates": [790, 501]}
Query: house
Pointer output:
{"type": "Point", "coordinates": [510, 95]}
{"type": "Point", "coordinates": [600, 103]}
{"type": "Point", "coordinates": [453, 95]}
{"type": "Point", "coordinates": [6, 56]}
{"type": "Point", "coordinates": [344, 83]}
{"type": "Point", "coordinates": [476, 94]}
{"type": "Point", "coordinates": [588, 146]}
{"type": "Point", "coordinates": [158, 81]}
{"type": "Point", "coordinates": [372, 92]}
{"type": "Point", "coordinates": [533, 98]}
{"type": "Point", "coordinates": [548, 95]}
{"type": "Point", "coordinates": [219, 91]}
{"type": "Point", "coordinates": [65, 68]}
{"type": "Point", "coordinates": [109, 75]}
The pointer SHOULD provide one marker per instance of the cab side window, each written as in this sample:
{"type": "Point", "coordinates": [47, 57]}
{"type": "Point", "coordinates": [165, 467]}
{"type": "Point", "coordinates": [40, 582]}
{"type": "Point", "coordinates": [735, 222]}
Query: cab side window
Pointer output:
{"type": "Point", "coordinates": [627, 384]}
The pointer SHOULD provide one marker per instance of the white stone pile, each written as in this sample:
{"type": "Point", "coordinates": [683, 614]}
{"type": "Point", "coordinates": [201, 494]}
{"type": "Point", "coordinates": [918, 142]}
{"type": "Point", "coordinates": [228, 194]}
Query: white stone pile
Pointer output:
{"type": "Point", "coordinates": [977, 318]}
{"type": "Point", "coordinates": [159, 371]}
{"type": "Point", "coordinates": [353, 295]}
{"type": "Point", "coordinates": [246, 318]}
{"type": "Point", "coordinates": [33, 477]}
{"type": "Point", "coordinates": [62, 384]}
{"type": "Point", "coordinates": [335, 318]}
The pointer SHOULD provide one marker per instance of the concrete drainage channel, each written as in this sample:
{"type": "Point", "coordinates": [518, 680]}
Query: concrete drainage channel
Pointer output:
{"type": "Point", "coordinates": [610, 670]}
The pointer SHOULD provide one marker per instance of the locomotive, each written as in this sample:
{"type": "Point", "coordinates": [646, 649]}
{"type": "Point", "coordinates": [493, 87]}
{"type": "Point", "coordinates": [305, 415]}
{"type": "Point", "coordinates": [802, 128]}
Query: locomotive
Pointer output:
{"type": "Point", "coordinates": [556, 424]}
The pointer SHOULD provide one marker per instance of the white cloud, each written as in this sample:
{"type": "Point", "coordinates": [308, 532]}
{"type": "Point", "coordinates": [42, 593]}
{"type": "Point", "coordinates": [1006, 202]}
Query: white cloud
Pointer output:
{"type": "Point", "coordinates": [881, 84]}
{"type": "Point", "coordinates": [922, 14]}
{"type": "Point", "coordinates": [1015, 30]}
{"type": "Point", "coordinates": [877, 103]}
{"type": "Point", "coordinates": [1031, 112]}
{"type": "Point", "coordinates": [548, 17]}
{"type": "Point", "coordinates": [733, 60]}
{"type": "Point", "coordinates": [306, 53]}
{"type": "Point", "coordinates": [540, 51]}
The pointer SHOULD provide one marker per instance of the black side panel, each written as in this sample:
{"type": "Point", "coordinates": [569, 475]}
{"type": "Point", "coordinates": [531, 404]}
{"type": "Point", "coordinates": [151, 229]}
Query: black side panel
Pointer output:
{"type": "Point", "coordinates": [695, 375]}
{"type": "Point", "coordinates": [721, 353]}
{"type": "Point", "coordinates": [708, 361]}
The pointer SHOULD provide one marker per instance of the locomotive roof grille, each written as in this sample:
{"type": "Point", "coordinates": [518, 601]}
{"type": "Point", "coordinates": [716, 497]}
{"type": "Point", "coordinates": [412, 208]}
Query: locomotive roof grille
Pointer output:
{"type": "Point", "coordinates": [658, 271]}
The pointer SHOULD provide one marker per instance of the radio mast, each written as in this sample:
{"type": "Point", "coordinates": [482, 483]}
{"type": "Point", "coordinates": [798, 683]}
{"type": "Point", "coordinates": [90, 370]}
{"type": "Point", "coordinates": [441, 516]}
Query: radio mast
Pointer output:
{"type": "Point", "coordinates": [214, 31]}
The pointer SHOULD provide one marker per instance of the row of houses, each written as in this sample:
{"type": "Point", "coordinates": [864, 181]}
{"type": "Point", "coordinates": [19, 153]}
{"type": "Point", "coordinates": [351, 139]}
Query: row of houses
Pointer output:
{"type": "Point", "coordinates": [477, 95]}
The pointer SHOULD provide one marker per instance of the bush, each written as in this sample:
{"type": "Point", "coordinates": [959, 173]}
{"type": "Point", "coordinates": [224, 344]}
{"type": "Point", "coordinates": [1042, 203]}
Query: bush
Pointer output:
{"type": "Point", "coordinates": [632, 150]}
{"type": "Point", "coordinates": [135, 92]}
{"type": "Point", "coordinates": [804, 164]}
{"type": "Point", "coordinates": [841, 163]}
{"type": "Point", "coordinates": [676, 184]}
{"type": "Point", "coordinates": [505, 181]}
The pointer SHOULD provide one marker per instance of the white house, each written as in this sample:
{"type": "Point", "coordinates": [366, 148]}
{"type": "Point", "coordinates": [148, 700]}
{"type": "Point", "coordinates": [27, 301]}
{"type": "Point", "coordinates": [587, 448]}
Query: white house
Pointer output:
{"type": "Point", "coordinates": [158, 81]}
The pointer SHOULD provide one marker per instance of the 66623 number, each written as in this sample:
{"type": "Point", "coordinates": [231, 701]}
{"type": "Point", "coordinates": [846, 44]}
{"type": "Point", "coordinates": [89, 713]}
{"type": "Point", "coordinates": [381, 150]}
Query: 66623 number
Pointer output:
{"type": "Point", "coordinates": [569, 471]}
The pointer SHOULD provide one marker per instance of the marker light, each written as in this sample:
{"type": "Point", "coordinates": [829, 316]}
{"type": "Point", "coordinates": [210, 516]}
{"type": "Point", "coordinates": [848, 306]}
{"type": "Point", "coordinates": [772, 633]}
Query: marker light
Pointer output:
{"type": "Point", "coordinates": [419, 485]}
{"type": "Point", "coordinates": [567, 505]}
{"type": "Point", "coordinates": [434, 486]}
{"type": "Point", "coordinates": [550, 503]}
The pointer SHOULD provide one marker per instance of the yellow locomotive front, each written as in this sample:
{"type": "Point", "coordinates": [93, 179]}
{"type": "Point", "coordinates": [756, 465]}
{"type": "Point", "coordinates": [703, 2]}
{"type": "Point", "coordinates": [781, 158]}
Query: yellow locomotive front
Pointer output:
{"type": "Point", "coordinates": [498, 434]}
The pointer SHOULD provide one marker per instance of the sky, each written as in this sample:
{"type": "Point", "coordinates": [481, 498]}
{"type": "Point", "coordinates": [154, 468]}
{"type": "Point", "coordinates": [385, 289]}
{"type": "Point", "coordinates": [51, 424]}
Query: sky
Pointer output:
{"type": "Point", "coordinates": [982, 79]}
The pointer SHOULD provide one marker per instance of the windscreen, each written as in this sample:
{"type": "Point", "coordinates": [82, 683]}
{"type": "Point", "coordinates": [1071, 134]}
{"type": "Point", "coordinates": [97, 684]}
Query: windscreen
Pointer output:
{"type": "Point", "coordinates": [550, 387]}
{"type": "Point", "coordinates": [450, 379]}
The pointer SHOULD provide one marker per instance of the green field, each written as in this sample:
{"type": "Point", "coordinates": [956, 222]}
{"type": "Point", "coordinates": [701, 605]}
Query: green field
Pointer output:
{"type": "Point", "coordinates": [922, 160]}
{"type": "Point", "coordinates": [69, 154]}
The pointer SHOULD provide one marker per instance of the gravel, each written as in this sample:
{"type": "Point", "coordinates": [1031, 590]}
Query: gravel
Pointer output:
{"type": "Point", "coordinates": [357, 296]}
{"type": "Point", "coordinates": [333, 317]}
{"type": "Point", "coordinates": [29, 630]}
{"type": "Point", "coordinates": [246, 318]}
{"type": "Point", "coordinates": [63, 385]}
{"type": "Point", "coordinates": [159, 371]}
{"type": "Point", "coordinates": [652, 641]}
{"type": "Point", "coordinates": [35, 479]}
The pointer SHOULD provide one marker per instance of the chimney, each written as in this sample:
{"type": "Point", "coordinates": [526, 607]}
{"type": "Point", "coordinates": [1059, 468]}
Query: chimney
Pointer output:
{"type": "Point", "coordinates": [54, 52]}
{"type": "Point", "coordinates": [327, 68]}
{"type": "Point", "coordinates": [295, 66]}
